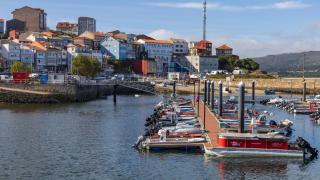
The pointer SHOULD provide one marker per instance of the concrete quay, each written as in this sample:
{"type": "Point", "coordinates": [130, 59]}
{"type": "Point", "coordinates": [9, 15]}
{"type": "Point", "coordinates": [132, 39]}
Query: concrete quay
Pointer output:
{"type": "Point", "coordinates": [60, 93]}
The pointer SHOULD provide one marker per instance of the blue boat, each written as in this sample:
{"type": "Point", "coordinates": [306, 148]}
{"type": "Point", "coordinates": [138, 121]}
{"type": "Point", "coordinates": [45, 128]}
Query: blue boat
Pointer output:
{"type": "Point", "coordinates": [269, 92]}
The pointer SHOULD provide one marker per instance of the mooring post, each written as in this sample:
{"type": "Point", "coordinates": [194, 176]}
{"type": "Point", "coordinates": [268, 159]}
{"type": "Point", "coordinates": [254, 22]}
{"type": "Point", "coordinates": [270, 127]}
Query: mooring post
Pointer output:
{"type": "Point", "coordinates": [208, 93]}
{"type": "Point", "coordinates": [212, 95]}
{"type": "Point", "coordinates": [220, 99]}
{"type": "Point", "coordinates": [198, 99]}
{"type": "Point", "coordinates": [241, 106]}
{"type": "Point", "coordinates": [174, 89]}
{"type": "Point", "coordinates": [194, 93]}
{"type": "Point", "coordinates": [253, 92]}
{"type": "Point", "coordinates": [291, 88]}
{"type": "Point", "coordinates": [205, 92]}
{"type": "Point", "coordinates": [304, 91]}
{"type": "Point", "coordinates": [314, 87]}
{"type": "Point", "coordinates": [114, 93]}
{"type": "Point", "coordinates": [204, 115]}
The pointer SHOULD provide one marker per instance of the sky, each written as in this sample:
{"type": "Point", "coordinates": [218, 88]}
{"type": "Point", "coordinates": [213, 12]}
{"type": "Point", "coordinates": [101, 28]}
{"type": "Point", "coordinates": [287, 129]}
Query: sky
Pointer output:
{"type": "Point", "coordinates": [252, 27]}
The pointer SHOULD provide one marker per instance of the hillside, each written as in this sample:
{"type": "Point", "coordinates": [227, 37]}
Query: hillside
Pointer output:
{"type": "Point", "coordinates": [284, 63]}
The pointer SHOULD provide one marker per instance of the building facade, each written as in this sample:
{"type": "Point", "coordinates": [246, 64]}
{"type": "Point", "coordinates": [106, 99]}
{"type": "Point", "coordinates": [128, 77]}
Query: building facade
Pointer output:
{"type": "Point", "coordinates": [161, 52]}
{"type": "Point", "coordinates": [35, 18]}
{"type": "Point", "coordinates": [83, 41]}
{"type": "Point", "coordinates": [203, 64]}
{"type": "Point", "coordinates": [1, 27]}
{"type": "Point", "coordinates": [204, 48]}
{"type": "Point", "coordinates": [114, 48]}
{"type": "Point", "coordinates": [224, 50]}
{"type": "Point", "coordinates": [96, 37]}
{"type": "Point", "coordinates": [15, 24]}
{"type": "Point", "coordinates": [67, 27]}
{"type": "Point", "coordinates": [10, 53]}
{"type": "Point", "coordinates": [86, 24]}
{"type": "Point", "coordinates": [180, 47]}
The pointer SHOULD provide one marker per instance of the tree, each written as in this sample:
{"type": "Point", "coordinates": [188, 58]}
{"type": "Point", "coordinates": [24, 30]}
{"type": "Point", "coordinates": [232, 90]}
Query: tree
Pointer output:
{"type": "Point", "coordinates": [230, 63]}
{"type": "Point", "coordinates": [86, 66]}
{"type": "Point", "coordinates": [20, 67]}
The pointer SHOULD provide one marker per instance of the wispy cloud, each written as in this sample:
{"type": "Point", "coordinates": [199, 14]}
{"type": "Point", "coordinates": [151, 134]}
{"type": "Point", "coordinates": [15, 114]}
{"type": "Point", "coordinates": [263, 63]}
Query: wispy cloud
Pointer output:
{"type": "Point", "coordinates": [218, 6]}
{"type": "Point", "coordinates": [290, 5]}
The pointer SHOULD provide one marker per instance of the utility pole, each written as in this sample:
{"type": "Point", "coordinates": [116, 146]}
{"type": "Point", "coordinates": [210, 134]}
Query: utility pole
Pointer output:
{"type": "Point", "coordinates": [204, 19]}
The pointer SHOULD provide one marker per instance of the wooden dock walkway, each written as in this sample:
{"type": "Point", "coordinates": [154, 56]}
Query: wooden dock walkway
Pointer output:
{"type": "Point", "coordinates": [211, 125]}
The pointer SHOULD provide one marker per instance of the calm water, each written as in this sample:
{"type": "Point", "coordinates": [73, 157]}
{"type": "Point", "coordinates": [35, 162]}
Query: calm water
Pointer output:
{"type": "Point", "coordinates": [93, 141]}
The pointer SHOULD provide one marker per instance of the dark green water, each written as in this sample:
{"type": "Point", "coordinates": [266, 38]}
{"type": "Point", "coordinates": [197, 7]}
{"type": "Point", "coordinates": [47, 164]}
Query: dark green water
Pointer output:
{"type": "Point", "coordinates": [93, 141]}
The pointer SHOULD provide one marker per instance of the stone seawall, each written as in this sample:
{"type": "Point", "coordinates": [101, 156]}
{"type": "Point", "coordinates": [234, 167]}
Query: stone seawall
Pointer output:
{"type": "Point", "coordinates": [60, 93]}
{"type": "Point", "coordinates": [57, 93]}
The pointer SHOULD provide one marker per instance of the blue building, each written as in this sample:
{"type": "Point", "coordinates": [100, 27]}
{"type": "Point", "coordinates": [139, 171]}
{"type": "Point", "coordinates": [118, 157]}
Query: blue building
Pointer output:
{"type": "Point", "coordinates": [115, 48]}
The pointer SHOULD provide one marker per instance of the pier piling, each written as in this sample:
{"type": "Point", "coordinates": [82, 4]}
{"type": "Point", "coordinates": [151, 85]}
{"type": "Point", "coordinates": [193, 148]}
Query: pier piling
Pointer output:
{"type": "Point", "coordinates": [208, 93]}
{"type": "Point", "coordinates": [205, 92]}
{"type": "Point", "coordinates": [212, 95]}
{"type": "Point", "coordinates": [174, 88]}
{"type": "Point", "coordinates": [253, 91]}
{"type": "Point", "coordinates": [241, 106]}
{"type": "Point", "coordinates": [198, 99]}
{"type": "Point", "coordinates": [304, 91]}
{"type": "Point", "coordinates": [115, 93]}
{"type": "Point", "coordinates": [194, 92]}
{"type": "Point", "coordinates": [220, 98]}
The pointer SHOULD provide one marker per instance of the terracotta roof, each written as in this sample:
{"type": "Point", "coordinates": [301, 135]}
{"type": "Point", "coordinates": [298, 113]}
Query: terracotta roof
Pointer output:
{"type": "Point", "coordinates": [66, 25]}
{"type": "Point", "coordinates": [98, 33]}
{"type": "Point", "coordinates": [1, 20]}
{"type": "Point", "coordinates": [224, 47]}
{"type": "Point", "coordinates": [158, 41]}
{"type": "Point", "coordinates": [203, 44]}
{"type": "Point", "coordinates": [48, 33]}
{"type": "Point", "coordinates": [38, 46]}
{"type": "Point", "coordinates": [120, 36]}
{"type": "Point", "coordinates": [178, 40]}
{"type": "Point", "coordinates": [81, 38]}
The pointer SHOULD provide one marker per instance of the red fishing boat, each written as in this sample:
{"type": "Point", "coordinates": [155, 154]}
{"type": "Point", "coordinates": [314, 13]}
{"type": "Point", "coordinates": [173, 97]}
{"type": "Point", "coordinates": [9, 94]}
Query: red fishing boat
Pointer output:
{"type": "Point", "coordinates": [254, 145]}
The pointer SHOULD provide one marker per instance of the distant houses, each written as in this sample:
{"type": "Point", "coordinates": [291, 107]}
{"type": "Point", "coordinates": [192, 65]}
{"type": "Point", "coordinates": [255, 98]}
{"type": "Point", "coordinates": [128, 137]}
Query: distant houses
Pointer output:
{"type": "Point", "coordinates": [28, 40]}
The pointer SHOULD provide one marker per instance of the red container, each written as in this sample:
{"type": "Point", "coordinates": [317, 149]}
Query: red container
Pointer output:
{"type": "Point", "coordinates": [253, 143]}
{"type": "Point", "coordinates": [20, 77]}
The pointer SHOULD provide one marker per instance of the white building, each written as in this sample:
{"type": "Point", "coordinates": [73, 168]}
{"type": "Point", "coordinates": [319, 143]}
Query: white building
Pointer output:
{"type": "Point", "coordinates": [180, 47]}
{"type": "Point", "coordinates": [10, 52]}
{"type": "Point", "coordinates": [203, 64]}
{"type": "Point", "coordinates": [160, 51]}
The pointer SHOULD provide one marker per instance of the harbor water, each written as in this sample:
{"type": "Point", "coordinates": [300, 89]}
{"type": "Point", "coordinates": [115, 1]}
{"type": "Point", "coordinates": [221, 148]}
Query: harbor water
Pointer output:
{"type": "Point", "coordinates": [93, 141]}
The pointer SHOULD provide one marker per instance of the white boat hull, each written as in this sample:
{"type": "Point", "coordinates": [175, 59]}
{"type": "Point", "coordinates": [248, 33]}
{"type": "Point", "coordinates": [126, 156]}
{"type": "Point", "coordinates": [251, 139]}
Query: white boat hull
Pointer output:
{"type": "Point", "coordinates": [248, 152]}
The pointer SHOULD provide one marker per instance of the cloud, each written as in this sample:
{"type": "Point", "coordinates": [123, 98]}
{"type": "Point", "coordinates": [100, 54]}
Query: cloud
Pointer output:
{"type": "Point", "coordinates": [290, 5]}
{"type": "Point", "coordinates": [218, 6]}
{"type": "Point", "coordinates": [165, 34]}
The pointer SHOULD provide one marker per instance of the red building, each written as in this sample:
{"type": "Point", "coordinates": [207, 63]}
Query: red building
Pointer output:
{"type": "Point", "coordinates": [204, 48]}
{"type": "Point", "coordinates": [14, 34]}
{"type": "Point", "coordinates": [144, 67]}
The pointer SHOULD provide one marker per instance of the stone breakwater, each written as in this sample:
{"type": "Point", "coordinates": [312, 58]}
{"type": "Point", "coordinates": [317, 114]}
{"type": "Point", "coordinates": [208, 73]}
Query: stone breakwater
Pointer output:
{"type": "Point", "coordinates": [61, 93]}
